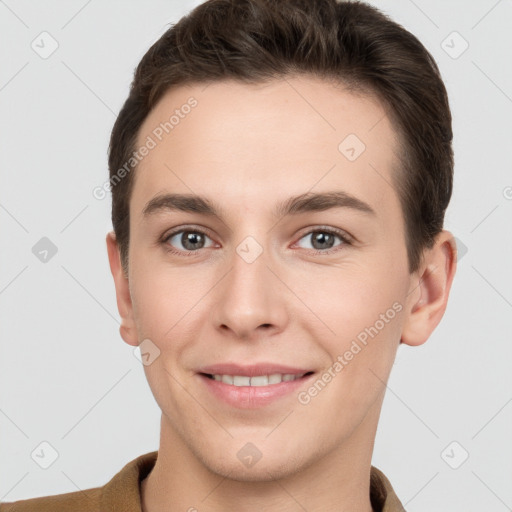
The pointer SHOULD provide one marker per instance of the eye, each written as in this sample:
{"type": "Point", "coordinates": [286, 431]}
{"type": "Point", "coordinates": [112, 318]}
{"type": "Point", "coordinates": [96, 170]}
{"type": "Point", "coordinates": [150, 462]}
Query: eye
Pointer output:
{"type": "Point", "coordinates": [190, 240]}
{"type": "Point", "coordinates": [323, 240]}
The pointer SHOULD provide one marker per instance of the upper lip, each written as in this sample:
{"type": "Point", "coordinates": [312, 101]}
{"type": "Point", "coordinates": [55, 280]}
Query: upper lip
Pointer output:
{"type": "Point", "coordinates": [252, 370]}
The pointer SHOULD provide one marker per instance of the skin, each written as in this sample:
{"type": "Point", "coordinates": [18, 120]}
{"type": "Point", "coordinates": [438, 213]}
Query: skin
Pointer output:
{"type": "Point", "coordinates": [249, 147]}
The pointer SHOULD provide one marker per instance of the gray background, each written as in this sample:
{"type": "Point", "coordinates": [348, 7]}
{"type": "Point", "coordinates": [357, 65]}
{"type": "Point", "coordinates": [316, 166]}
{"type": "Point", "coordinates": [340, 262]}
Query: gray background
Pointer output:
{"type": "Point", "coordinates": [66, 376]}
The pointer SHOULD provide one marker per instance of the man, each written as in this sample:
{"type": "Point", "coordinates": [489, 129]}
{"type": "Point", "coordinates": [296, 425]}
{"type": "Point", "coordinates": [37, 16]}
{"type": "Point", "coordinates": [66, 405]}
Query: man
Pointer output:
{"type": "Point", "coordinates": [279, 175]}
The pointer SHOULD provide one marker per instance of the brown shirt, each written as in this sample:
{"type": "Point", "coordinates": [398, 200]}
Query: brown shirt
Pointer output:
{"type": "Point", "coordinates": [122, 493]}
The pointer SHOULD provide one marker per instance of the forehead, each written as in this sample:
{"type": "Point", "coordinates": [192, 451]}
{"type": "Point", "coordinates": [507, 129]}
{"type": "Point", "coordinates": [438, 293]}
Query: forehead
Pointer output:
{"type": "Point", "coordinates": [255, 143]}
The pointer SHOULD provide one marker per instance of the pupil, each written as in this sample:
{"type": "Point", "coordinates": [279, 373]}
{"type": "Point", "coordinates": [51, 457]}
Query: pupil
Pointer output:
{"type": "Point", "coordinates": [324, 238]}
{"type": "Point", "coordinates": [190, 239]}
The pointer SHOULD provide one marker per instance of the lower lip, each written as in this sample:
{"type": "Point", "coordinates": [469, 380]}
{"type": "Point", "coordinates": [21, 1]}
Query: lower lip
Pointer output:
{"type": "Point", "coordinates": [252, 397]}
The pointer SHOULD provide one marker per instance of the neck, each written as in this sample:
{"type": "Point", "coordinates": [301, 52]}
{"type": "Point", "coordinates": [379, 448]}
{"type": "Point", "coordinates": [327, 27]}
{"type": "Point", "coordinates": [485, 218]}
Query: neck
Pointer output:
{"type": "Point", "coordinates": [338, 481]}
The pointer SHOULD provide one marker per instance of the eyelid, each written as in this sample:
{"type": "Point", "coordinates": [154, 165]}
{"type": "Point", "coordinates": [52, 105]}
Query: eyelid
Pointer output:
{"type": "Point", "coordinates": [330, 229]}
{"type": "Point", "coordinates": [187, 227]}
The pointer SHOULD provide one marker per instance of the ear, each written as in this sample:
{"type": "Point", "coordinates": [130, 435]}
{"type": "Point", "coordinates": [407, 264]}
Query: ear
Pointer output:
{"type": "Point", "coordinates": [430, 289]}
{"type": "Point", "coordinates": [124, 301]}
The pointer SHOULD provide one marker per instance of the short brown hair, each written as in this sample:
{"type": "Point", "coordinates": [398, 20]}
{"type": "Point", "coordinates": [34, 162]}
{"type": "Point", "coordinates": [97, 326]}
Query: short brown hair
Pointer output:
{"type": "Point", "coordinates": [349, 42]}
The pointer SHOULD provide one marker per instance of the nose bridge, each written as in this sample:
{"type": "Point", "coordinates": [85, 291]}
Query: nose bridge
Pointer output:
{"type": "Point", "coordinates": [249, 276]}
{"type": "Point", "coordinates": [249, 296]}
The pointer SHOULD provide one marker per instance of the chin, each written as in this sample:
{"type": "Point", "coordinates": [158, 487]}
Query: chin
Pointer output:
{"type": "Point", "coordinates": [265, 469]}
{"type": "Point", "coordinates": [263, 473]}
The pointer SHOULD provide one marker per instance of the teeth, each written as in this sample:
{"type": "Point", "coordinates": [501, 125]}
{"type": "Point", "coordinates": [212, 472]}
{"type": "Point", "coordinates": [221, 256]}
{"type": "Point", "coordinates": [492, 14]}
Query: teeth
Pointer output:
{"type": "Point", "coordinates": [227, 379]}
{"type": "Point", "coordinates": [261, 380]}
{"type": "Point", "coordinates": [257, 380]}
{"type": "Point", "coordinates": [275, 378]}
{"type": "Point", "coordinates": [241, 381]}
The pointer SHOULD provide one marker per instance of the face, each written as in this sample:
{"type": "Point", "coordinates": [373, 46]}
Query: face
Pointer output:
{"type": "Point", "coordinates": [253, 278]}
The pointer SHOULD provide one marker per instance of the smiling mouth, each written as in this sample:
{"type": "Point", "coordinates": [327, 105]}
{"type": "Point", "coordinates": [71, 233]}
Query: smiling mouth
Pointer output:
{"type": "Point", "coordinates": [257, 380]}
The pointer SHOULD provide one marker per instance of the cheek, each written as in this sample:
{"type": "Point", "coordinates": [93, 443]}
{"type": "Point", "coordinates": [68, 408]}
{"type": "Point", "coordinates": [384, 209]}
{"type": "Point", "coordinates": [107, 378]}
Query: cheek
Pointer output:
{"type": "Point", "coordinates": [363, 313]}
{"type": "Point", "coordinates": [163, 299]}
{"type": "Point", "coordinates": [347, 300]}
{"type": "Point", "coordinates": [164, 313]}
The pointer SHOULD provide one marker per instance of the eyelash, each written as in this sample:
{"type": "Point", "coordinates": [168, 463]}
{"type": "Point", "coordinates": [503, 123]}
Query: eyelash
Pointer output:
{"type": "Point", "coordinates": [346, 239]}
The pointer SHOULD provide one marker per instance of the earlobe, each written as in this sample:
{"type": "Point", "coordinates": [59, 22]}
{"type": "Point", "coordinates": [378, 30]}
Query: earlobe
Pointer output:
{"type": "Point", "coordinates": [127, 328]}
{"type": "Point", "coordinates": [430, 291]}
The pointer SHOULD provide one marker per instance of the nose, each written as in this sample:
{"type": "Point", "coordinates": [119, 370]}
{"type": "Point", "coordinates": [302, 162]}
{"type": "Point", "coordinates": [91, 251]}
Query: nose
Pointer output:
{"type": "Point", "coordinates": [250, 300]}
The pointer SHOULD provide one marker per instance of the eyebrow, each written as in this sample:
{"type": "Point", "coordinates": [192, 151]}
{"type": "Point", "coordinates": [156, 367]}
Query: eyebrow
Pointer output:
{"type": "Point", "coordinates": [308, 202]}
